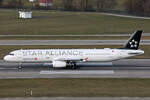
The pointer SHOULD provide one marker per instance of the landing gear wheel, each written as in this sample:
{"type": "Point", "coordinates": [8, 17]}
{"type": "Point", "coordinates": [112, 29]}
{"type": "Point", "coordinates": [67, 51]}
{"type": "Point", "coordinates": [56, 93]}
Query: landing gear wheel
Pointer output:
{"type": "Point", "coordinates": [20, 66]}
{"type": "Point", "coordinates": [72, 65]}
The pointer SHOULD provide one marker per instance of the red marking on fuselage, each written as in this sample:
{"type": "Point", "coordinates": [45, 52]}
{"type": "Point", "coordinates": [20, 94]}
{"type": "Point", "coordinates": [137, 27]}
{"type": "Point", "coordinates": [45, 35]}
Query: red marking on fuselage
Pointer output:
{"type": "Point", "coordinates": [35, 58]}
{"type": "Point", "coordinates": [86, 59]}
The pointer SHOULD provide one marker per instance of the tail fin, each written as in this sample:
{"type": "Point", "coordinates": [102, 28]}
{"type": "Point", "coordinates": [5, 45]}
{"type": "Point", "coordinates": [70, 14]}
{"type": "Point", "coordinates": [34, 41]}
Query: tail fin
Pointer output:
{"type": "Point", "coordinates": [134, 41]}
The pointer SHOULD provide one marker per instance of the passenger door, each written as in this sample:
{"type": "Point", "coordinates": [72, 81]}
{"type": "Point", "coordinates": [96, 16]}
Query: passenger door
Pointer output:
{"type": "Point", "coordinates": [19, 55]}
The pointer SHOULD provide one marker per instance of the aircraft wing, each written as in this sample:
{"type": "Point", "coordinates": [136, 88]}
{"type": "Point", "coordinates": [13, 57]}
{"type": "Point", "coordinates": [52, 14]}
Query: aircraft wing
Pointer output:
{"type": "Point", "coordinates": [68, 59]}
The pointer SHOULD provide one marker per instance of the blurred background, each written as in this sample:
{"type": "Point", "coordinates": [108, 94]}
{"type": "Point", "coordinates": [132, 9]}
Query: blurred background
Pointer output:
{"type": "Point", "coordinates": [136, 7]}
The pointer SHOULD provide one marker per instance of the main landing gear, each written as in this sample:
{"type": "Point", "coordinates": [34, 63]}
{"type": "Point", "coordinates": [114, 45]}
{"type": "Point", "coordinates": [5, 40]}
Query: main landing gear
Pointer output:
{"type": "Point", "coordinates": [72, 65]}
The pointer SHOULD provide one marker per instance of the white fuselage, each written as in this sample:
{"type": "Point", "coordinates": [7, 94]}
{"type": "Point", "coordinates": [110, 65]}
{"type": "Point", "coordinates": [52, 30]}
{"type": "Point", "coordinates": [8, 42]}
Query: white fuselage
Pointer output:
{"type": "Point", "coordinates": [50, 55]}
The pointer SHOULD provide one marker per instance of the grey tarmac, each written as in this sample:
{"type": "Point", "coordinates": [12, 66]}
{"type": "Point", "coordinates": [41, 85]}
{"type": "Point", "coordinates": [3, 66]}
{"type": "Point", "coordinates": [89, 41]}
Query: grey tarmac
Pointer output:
{"type": "Point", "coordinates": [79, 98]}
{"type": "Point", "coordinates": [68, 42]}
{"type": "Point", "coordinates": [128, 68]}
{"type": "Point", "coordinates": [76, 74]}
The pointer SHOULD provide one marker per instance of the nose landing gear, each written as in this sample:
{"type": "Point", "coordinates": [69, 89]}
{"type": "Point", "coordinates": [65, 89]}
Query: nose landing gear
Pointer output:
{"type": "Point", "coordinates": [20, 66]}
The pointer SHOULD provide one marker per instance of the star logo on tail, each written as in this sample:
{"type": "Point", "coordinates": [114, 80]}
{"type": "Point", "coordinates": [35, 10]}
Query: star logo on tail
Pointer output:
{"type": "Point", "coordinates": [133, 44]}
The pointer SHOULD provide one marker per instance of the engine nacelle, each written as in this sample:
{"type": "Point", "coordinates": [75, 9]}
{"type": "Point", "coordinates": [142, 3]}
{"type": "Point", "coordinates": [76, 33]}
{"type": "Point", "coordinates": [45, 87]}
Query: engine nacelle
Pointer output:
{"type": "Point", "coordinates": [59, 64]}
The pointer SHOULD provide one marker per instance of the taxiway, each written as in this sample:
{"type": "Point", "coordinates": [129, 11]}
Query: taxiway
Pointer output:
{"type": "Point", "coordinates": [68, 42]}
{"type": "Point", "coordinates": [68, 35]}
{"type": "Point", "coordinates": [128, 68]}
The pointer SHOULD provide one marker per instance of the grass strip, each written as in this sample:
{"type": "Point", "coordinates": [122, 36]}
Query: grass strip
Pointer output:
{"type": "Point", "coordinates": [75, 87]}
{"type": "Point", "coordinates": [51, 22]}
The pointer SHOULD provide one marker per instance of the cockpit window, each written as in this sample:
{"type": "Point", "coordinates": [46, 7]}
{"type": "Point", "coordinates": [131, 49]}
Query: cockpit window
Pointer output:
{"type": "Point", "coordinates": [12, 54]}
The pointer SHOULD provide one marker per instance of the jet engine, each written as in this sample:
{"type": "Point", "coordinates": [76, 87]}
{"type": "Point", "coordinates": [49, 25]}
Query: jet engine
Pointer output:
{"type": "Point", "coordinates": [59, 64]}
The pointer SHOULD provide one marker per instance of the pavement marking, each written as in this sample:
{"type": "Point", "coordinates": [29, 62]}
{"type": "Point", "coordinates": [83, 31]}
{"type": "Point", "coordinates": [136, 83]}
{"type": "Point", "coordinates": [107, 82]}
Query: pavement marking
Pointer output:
{"type": "Point", "coordinates": [95, 72]}
{"type": "Point", "coordinates": [127, 16]}
{"type": "Point", "coordinates": [8, 68]}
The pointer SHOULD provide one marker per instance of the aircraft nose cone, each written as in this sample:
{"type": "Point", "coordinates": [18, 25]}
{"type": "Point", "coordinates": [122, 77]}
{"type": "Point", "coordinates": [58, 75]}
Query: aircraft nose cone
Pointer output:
{"type": "Point", "coordinates": [6, 58]}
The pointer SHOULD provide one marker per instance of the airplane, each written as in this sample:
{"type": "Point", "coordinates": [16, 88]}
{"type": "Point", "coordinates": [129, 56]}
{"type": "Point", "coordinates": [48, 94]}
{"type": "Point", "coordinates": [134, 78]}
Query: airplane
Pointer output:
{"type": "Point", "coordinates": [67, 58]}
